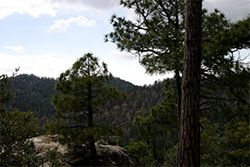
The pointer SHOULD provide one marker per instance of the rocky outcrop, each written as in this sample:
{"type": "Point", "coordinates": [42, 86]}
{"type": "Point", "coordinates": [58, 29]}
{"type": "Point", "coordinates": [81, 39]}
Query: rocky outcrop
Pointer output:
{"type": "Point", "coordinates": [108, 155]}
{"type": "Point", "coordinates": [47, 143]}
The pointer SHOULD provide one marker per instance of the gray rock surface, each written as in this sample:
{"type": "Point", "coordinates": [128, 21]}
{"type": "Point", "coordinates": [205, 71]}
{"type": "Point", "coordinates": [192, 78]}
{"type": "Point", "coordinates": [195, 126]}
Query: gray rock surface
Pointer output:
{"type": "Point", "coordinates": [109, 155]}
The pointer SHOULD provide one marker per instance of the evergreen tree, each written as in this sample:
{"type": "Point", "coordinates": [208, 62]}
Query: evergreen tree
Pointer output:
{"type": "Point", "coordinates": [81, 91]}
{"type": "Point", "coordinates": [15, 130]}
{"type": "Point", "coordinates": [32, 93]}
{"type": "Point", "coordinates": [140, 154]}
{"type": "Point", "coordinates": [159, 127]}
{"type": "Point", "coordinates": [5, 94]}
{"type": "Point", "coordinates": [189, 130]}
{"type": "Point", "coordinates": [157, 37]}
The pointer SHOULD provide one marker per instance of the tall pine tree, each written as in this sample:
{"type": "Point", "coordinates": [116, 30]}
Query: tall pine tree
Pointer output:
{"type": "Point", "coordinates": [189, 130]}
{"type": "Point", "coordinates": [81, 91]}
{"type": "Point", "coordinates": [157, 37]}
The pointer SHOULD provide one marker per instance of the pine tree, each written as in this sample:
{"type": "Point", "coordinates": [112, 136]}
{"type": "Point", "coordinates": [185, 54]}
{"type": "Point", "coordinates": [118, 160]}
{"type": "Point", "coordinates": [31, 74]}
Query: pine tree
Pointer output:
{"type": "Point", "coordinates": [189, 131]}
{"type": "Point", "coordinates": [159, 127]}
{"type": "Point", "coordinates": [81, 91]}
{"type": "Point", "coordinates": [157, 37]}
{"type": "Point", "coordinates": [15, 130]}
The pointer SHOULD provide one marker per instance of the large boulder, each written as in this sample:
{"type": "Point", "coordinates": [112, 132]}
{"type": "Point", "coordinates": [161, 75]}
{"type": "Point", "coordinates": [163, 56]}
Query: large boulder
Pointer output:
{"type": "Point", "coordinates": [46, 143]}
{"type": "Point", "coordinates": [108, 155]}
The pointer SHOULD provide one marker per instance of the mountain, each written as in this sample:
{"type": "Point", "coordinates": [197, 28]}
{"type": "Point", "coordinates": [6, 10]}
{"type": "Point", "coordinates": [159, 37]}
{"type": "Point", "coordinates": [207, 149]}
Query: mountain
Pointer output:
{"type": "Point", "coordinates": [34, 94]}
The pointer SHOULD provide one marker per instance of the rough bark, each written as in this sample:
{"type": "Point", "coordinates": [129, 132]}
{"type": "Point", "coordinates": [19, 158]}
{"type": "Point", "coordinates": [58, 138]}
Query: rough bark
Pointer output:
{"type": "Point", "coordinates": [188, 153]}
{"type": "Point", "coordinates": [90, 125]}
{"type": "Point", "coordinates": [178, 87]}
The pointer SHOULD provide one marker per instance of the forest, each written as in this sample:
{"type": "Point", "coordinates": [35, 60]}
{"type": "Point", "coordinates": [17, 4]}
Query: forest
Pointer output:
{"type": "Point", "coordinates": [87, 105]}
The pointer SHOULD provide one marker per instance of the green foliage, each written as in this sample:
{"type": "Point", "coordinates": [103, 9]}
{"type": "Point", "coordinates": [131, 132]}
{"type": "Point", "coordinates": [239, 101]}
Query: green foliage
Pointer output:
{"type": "Point", "coordinates": [54, 158]}
{"type": "Point", "coordinates": [163, 114]}
{"type": "Point", "coordinates": [227, 145]}
{"type": "Point", "coordinates": [81, 92]}
{"type": "Point", "coordinates": [156, 36]}
{"type": "Point", "coordinates": [15, 129]}
{"type": "Point", "coordinates": [225, 82]}
{"type": "Point", "coordinates": [5, 94]}
{"type": "Point", "coordinates": [223, 97]}
{"type": "Point", "coordinates": [227, 99]}
{"type": "Point", "coordinates": [32, 93]}
{"type": "Point", "coordinates": [170, 156]}
{"type": "Point", "coordinates": [85, 78]}
{"type": "Point", "coordinates": [224, 126]}
{"type": "Point", "coordinates": [159, 127]}
{"type": "Point", "coordinates": [210, 143]}
{"type": "Point", "coordinates": [235, 142]}
{"type": "Point", "coordinates": [140, 154]}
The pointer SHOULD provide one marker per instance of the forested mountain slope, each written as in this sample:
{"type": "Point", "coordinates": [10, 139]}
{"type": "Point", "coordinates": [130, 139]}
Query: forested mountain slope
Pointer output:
{"type": "Point", "coordinates": [32, 93]}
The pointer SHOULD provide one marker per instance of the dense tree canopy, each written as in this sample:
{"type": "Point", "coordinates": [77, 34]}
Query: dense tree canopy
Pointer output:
{"type": "Point", "coordinates": [6, 95]}
{"type": "Point", "coordinates": [32, 93]}
{"type": "Point", "coordinates": [81, 92]}
{"type": "Point", "coordinates": [15, 130]}
{"type": "Point", "coordinates": [157, 37]}
{"type": "Point", "coordinates": [86, 112]}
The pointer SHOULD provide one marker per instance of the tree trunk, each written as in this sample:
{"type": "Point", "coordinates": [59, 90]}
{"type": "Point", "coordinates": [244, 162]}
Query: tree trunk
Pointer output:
{"type": "Point", "coordinates": [92, 142]}
{"type": "Point", "coordinates": [90, 125]}
{"type": "Point", "coordinates": [178, 87]}
{"type": "Point", "coordinates": [189, 131]}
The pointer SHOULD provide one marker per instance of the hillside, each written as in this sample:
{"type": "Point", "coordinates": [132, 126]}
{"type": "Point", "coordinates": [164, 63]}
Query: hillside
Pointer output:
{"type": "Point", "coordinates": [33, 93]}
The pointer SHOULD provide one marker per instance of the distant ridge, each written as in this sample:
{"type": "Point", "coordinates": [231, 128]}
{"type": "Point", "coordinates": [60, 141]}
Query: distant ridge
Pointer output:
{"type": "Point", "coordinates": [33, 93]}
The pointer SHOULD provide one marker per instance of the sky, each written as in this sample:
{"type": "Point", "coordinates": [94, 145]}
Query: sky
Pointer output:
{"type": "Point", "coordinates": [45, 37]}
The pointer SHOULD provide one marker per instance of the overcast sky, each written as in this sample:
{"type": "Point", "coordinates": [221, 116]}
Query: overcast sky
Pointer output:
{"type": "Point", "coordinates": [45, 37]}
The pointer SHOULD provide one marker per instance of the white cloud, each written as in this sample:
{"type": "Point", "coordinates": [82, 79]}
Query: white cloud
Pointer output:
{"type": "Point", "coordinates": [62, 25]}
{"type": "Point", "coordinates": [233, 9]}
{"type": "Point", "coordinates": [52, 65]}
{"type": "Point", "coordinates": [100, 4]}
{"type": "Point", "coordinates": [126, 66]}
{"type": "Point", "coordinates": [44, 65]}
{"type": "Point", "coordinates": [122, 55]}
{"type": "Point", "coordinates": [35, 8]}
{"type": "Point", "coordinates": [15, 48]}
{"type": "Point", "coordinates": [94, 4]}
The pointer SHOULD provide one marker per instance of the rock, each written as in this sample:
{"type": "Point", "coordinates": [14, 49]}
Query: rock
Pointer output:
{"type": "Point", "coordinates": [108, 155]}
{"type": "Point", "coordinates": [48, 143]}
